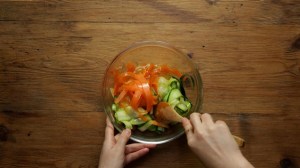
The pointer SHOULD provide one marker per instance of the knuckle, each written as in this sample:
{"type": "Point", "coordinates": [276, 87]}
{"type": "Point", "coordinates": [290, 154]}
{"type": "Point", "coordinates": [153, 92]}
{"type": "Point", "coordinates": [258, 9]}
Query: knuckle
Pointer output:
{"type": "Point", "coordinates": [220, 123]}
{"type": "Point", "coordinates": [193, 115]}
{"type": "Point", "coordinates": [210, 128]}
{"type": "Point", "coordinates": [206, 115]}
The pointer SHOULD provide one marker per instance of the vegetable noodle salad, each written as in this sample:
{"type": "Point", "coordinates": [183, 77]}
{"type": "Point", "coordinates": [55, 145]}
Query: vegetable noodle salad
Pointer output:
{"type": "Point", "coordinates": [137, 91]}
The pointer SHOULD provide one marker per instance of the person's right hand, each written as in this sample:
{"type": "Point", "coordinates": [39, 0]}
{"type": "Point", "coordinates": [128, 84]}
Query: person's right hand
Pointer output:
{"type": "Point", "coordinates": [213, 143]}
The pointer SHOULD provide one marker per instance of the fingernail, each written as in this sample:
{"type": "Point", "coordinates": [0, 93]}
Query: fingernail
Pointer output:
{"type": "Point", "coordinates": [127, 131]}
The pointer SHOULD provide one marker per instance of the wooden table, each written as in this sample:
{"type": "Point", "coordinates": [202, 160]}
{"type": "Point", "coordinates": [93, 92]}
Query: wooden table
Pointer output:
{"type": "Point", "coordinates": [53, 56]}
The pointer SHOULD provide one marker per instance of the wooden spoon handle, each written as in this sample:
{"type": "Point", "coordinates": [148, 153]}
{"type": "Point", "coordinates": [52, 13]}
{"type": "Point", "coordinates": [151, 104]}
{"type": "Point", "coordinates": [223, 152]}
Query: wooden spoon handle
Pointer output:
{"type": "Point", "coordinates": [239, 141]}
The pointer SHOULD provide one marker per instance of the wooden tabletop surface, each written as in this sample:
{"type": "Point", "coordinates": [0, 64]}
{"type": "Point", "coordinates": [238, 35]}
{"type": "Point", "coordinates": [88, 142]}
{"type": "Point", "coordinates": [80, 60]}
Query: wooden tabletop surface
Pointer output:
{"type": "Point", "coordinates": [53, 55]}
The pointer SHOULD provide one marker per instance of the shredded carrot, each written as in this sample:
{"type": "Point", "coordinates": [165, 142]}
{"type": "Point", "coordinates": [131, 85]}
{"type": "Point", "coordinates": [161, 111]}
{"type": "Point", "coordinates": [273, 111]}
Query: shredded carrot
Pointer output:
{"type": "Point", "coordinates": [167, 70]}
{"type": "Point", "coordinates": [136, 99]}
{"type": "Point", "coordinates": [130, 67]}
{"type": "Point", "coordinates": [159, 124]}
{"type": "Point", "coordinates": [139, 87]}
{"type": "Point", "coordinates": [121, 96]}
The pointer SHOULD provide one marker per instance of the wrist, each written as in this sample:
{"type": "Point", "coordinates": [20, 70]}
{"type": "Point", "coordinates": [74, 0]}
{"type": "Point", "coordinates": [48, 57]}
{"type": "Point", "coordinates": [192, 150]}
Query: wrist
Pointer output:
{"type": "Point", "coordinates": [242, 162]}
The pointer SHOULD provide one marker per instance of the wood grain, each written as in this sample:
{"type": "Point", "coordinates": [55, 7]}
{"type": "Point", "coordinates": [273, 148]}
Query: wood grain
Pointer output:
{"type": "Point", "coordinates": [226, 11]}
{"type": "Point", "coordinates": [53, 55]}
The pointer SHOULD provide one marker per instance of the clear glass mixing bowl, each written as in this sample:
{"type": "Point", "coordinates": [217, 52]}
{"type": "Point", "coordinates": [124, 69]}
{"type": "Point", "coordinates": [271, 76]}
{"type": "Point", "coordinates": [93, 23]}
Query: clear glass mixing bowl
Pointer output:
{"type": "Point", "coordinates": [157, 53]}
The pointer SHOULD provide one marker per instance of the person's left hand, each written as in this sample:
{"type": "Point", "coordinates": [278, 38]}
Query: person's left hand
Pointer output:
{"type": "Point", "coordinates": [115, 153]}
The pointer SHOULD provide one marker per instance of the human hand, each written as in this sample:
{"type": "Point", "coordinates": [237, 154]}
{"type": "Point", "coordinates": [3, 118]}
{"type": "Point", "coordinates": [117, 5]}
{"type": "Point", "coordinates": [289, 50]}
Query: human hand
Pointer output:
{"type": "Point", "coordinates": [213, 143]}
{"type": "Point", "coordinates": [115, 153]}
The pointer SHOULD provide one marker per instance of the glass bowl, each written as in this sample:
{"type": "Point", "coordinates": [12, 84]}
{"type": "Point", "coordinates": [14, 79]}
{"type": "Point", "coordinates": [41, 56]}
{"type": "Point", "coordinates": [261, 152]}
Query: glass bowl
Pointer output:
{"type": "Point", "coordinates": [157, 53]}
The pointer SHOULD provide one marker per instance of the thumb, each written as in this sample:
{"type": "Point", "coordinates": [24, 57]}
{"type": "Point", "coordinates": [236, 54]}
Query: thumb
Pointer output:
{"type": "Point", "coordinates": [188, 128]}
{"type": "Point", "coordinates": [123, 138]}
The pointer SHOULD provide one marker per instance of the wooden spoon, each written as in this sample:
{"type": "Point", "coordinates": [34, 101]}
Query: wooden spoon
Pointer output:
{"type": "Point", "coordinates": [166, 114]}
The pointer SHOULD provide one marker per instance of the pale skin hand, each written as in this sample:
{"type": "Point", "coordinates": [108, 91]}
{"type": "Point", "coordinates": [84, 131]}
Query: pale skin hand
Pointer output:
{"type": "Point", "coordinates": [115, 153]}
{"type": "Point", "coordinates": [213, 143]}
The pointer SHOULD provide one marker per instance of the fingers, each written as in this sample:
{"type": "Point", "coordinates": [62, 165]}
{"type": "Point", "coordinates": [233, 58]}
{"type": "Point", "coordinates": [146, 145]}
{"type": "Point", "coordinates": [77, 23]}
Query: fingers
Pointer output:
{"type": "Point", "coordinates": [136, 150]}
{"type": "Point", "coordinates": [195, 120]}
{"type": "Point", "coordinates": [135, 155]}
{"type": "Point", "coordinates": [109, 123]}
{"type": "Point", "coordinates": [137, 146]}
{"type": "Point", "coordinates": [200, 123]}
{"type": "Point", "coordinates": [199, 120]}
{"type": "Point", "coordinates": [109, 131]}
{"type": "Point", "coordinates": [222, 125]}
{"type": "Point", "coordinates": [123, 138]}
{"type": "Point", "coordinates": [117, 136]}
{"type": "Point", "coordinates": [188, 128]}
{"type": "Point", "coordinates": [207, 120]}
